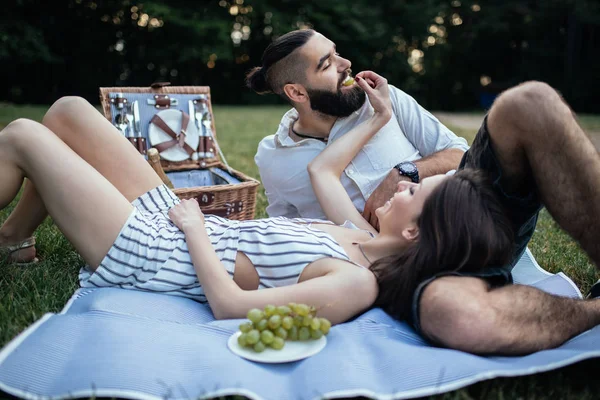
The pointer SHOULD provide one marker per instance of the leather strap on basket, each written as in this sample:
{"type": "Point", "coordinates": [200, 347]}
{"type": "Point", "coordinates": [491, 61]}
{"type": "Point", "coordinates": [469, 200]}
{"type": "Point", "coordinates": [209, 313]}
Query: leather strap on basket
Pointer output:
{"type": "Point", "coordinates": [206, 199]}
{"type": "Point", "coordinates": [162, 101]}
{"type": "Point", "coordinates": [227, 211]}
{"type": "Point", "coordinates": [178, 138]}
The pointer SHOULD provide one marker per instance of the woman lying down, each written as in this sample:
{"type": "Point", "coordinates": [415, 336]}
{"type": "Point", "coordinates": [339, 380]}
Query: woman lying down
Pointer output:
{"type": "Point", "coordinates": [134, 233]}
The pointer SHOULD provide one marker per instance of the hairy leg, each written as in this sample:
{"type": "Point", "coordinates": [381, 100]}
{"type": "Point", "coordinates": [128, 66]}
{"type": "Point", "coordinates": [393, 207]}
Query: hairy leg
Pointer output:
{"type": "Point", "coordinates": [85, 206]}
{"type": "Point", "coordinates": [537, 139]}
{"type": "Point", "coordinates": [464, 314]}
{"type": "Point", "coordinates": [93, 138]}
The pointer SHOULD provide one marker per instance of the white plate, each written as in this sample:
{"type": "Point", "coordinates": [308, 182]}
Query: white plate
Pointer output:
{"type": "Point", "coordinates": [173, 119]}
{"type": "Point", "coordinates": [292, 351]}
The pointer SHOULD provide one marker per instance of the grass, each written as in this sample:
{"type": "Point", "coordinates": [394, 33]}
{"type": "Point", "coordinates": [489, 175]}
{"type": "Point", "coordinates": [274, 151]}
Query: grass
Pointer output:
{"type": "Point", "coordinates": [590, 122]}
{"type": "Point", "coordinates": [587, 121]}
{"type": "Point", "coordinates": [26, 294]}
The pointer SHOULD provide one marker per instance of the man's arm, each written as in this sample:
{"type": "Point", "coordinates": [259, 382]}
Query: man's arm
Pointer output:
{"type": "Point", "coordinates": [439, 163]}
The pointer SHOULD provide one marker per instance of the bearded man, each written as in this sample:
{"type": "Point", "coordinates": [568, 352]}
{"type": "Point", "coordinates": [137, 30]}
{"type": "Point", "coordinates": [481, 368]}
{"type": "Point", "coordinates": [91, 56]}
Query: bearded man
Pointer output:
{"type": "Point", "coordinates": [305, 69]}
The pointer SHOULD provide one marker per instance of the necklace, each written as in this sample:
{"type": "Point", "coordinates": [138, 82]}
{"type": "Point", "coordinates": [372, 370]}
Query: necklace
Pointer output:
{"type": "Point", "coordinates": [363, 252]}
{"type": "Point", "coordinates": [321, 139]}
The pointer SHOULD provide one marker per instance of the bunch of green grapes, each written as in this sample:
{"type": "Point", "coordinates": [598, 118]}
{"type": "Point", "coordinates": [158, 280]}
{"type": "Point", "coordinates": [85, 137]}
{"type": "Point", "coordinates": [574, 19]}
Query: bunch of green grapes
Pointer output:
{"type": "Point", "coordinates": [272, 326]}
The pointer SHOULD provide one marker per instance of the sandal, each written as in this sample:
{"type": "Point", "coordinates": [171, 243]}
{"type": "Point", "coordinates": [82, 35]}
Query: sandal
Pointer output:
{"type": "Point", "coordinates": [11, 253]}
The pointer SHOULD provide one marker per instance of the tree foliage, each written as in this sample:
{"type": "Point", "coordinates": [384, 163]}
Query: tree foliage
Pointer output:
{"type": "Point", "coordinates": [446, 53]}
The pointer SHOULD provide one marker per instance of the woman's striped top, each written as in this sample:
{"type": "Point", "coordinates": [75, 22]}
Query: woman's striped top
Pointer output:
{"type": "Point", "coordinates": [151, 253]}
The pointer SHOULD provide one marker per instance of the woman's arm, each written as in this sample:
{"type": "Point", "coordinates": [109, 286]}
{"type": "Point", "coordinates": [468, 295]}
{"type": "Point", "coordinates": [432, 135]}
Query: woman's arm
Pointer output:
{"type": "Point", "coordinates": [338, 295]}
{"type": "Point", "coordinates": [326, 169]}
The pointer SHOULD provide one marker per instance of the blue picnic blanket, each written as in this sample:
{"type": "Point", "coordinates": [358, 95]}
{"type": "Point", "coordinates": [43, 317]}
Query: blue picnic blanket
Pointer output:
{"type": "Point", "coordinates": [130, 344]}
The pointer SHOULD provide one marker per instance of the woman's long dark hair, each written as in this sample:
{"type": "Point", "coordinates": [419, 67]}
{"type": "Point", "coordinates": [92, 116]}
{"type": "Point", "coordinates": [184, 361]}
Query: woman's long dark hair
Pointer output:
{"type": "Point", "coordinates": [462, 227]}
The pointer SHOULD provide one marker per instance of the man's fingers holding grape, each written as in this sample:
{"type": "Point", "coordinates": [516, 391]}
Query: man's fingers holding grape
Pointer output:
{"type": "Point", "coordinates": [373, 79]}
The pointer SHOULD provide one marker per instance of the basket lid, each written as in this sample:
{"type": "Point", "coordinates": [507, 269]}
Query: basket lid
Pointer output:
{"type": "Point", "coordinates": [195, 101]}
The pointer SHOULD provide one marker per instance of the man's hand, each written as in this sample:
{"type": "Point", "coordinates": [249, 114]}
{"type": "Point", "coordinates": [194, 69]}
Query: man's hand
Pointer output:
{"type": "Point", "coordinates": [383, 193]}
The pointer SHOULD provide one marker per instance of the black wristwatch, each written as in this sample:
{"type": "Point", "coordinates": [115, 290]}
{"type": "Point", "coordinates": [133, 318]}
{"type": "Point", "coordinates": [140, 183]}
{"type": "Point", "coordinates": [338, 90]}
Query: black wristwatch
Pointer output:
{"type": "Point", "coordinates": [408, 168]}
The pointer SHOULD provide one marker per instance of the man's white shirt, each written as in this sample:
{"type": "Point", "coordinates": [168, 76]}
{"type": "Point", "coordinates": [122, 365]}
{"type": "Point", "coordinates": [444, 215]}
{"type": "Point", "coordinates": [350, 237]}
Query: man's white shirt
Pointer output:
{"type": "Point", "coordinates": [412, 133]}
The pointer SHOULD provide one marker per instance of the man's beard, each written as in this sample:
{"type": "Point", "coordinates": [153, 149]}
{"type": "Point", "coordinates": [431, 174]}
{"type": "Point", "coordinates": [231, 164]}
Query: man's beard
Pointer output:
{"type": "Point", "coordinates": [336, 104]}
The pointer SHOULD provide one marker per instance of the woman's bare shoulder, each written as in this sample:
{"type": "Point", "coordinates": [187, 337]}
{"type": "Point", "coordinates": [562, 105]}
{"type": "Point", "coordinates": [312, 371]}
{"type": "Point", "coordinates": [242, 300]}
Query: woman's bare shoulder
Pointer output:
{"type": "Point", "coordinates": [349, 274]}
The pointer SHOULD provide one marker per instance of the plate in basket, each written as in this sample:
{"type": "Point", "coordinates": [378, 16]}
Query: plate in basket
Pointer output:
{"type": "Point", "coordinates": [173, 119]}
{"type": "Point", "coordinates": [292, 351]}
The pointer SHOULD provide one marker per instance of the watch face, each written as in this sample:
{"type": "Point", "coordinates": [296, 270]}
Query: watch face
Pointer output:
{"type": "Point", "coordinates": [408, 168]}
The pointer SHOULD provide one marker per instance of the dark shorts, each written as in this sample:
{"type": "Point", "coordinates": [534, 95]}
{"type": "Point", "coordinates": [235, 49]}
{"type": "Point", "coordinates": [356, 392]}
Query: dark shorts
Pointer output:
{"type": "Point", "coordinates": [522, 211]}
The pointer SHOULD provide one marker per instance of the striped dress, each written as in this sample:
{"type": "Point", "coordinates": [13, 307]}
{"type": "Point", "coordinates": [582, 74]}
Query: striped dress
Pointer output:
{"type": "Point", "coordinates": [151, 254]}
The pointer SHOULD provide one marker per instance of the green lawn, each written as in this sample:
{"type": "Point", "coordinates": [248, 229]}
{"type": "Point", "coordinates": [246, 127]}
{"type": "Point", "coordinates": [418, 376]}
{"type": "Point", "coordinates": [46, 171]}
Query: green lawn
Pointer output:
{"type": "Point", "coordinates": [27, 293]}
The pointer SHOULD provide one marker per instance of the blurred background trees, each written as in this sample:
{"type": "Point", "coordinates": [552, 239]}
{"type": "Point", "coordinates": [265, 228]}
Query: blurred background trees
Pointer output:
{"type": "Point", "coordinates": [450, 54]}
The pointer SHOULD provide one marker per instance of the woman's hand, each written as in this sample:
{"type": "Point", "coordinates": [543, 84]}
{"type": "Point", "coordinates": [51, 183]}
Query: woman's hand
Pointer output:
{"type": "Point", "coordinates": [376, 87]}
{"type": "Point", "coordinates": [187, 214]}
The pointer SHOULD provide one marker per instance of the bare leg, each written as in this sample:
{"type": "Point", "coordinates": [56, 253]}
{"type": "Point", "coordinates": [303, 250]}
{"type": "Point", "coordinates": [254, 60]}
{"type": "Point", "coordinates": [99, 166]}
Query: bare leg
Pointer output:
{"type": "Point", "coordinates": [464, 314]}
{"type": "Point", "coordinates": [99, 143]}
{"type": "Point", "coordinates": [85, 206]}
{"type": "Point", "coordinates": [537, 141]}
{"type": "Point", "coordinates": [29, 213]}
{"type": "Point", "coordinates": [22, 228]}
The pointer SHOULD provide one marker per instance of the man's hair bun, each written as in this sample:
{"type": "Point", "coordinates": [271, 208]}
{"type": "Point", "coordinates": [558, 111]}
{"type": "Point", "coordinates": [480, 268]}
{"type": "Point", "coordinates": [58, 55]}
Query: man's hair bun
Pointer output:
{"type": "Point", "coordinates": [256, 80]}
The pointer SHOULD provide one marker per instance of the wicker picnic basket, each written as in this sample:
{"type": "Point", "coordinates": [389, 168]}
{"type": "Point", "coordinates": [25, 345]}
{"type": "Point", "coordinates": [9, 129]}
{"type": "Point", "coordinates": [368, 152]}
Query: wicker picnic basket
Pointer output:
{"type": "Point", "coordinates": [231, 200]}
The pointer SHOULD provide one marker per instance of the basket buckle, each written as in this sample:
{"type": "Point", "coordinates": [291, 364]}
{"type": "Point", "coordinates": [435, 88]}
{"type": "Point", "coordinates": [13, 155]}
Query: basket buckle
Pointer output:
{"type": "Point", "coordinates": [205, 199]}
